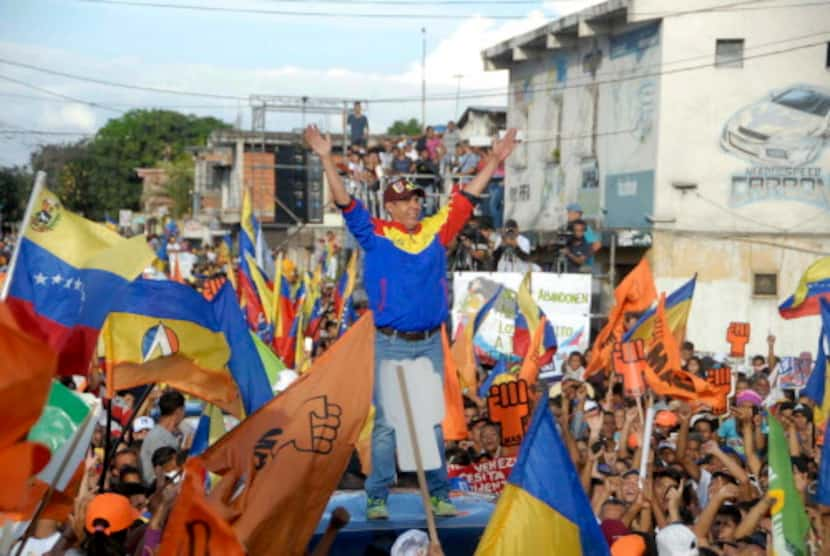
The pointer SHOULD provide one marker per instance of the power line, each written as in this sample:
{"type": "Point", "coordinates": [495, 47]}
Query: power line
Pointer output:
{"type": "Point", "coordinates": [263, 11]}
{"type": "Point", "coordinates": [481, 93]}
{"type": "Point", "coordinates": [734, 8]}
{"type": "Point", "coordinates": [61, 95]}
{"type": "Point", "coordinates": [44, 132]}
{"type": "Point", "coordinates": [449, 97]}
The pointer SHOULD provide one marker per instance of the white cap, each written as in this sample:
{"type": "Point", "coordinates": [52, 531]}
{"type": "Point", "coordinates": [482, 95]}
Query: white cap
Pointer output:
{"type": "Point", "coordinates": [284, 380]}
{"type": "Point", "coordinates": [590, 405]}
{"type": "Point", "coordinates": [411, 543]}
{"type": "Point", "coordinates": [143, 423]}
{"type": "Point", "coordinates": [676, 540]}
{"type": "Point", "coordinates": [667, 444]}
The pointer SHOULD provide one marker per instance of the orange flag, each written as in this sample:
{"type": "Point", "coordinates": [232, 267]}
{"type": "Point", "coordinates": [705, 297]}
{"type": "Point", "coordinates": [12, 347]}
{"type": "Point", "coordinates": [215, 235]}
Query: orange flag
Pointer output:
{"type": "Point", "coordinates": [462, 355]}
{"type": "Point", "coordinates": [176, 271]}
{"type": "Point", "coordinates": [454, 425]}
{"type": "Point", "coordinates": [663, 372]}
{"type": "Point", "coordinates": [634, 294]}
{"type": "Point", "coordinates": [529, 371]}
{"type": "Point", "coordinates": [196, 525]}
{"type": "Point", "coordinates": [28, 366]}
{"type": "Point", "coordinates": [293, 450]}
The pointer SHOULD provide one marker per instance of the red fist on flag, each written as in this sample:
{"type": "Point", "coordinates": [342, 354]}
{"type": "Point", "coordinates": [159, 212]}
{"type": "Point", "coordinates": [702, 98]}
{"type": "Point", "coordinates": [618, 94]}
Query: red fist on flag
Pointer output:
{"type": "Point", "coordinates": [738, 336]}
{"type": "Point", "coordinates": [508, 404]}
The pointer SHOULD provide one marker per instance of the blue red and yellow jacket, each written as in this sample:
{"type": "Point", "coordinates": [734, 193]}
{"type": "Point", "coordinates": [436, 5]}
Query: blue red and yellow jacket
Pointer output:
{"type": "Point", "coordinates": [405, 273]}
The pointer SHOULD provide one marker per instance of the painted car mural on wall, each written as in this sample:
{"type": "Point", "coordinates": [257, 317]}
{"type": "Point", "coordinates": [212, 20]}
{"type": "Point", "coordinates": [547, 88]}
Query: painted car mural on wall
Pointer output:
{"type": "Point", "coordinates": [790, 127]}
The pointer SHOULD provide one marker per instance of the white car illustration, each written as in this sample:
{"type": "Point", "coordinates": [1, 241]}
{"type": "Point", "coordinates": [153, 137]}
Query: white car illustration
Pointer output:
{"type": "Point", "coordinates": [789, 128]}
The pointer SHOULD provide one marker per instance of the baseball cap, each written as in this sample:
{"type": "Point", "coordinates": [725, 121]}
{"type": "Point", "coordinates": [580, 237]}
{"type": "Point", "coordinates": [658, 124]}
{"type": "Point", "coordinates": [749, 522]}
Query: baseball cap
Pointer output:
{"type": "Point", "coordinates": [704, 417]}
{"type": "Point", "coordinates": [143, 423]}
{"type": "Point", "coordinates": [574, 207]}
{"type": "Point", "coordinates": [666, 419]}
{"type": "Point", "coordinates": [590, 405]}
{"type": "Point", "coordinates": [801, 408]}
{"type": "Point", "coordinates": [629, 545]}
{"type": "Point", "coordinates": [676, 540]}
{"type": "Point", "coordinates": [410, 543]}
{"type": "Point", "coordinates": [401, 189]}
{"type": "Point", "coordinates": [667, 444]}
{"type": "Point", "coordinates": [750, 396]}
{"type": "Point", "coordinates": [115, 509]}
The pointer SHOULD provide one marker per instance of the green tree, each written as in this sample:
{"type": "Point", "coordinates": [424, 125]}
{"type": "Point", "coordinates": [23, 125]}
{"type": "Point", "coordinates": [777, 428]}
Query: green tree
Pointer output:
{"type": "Point", "coordinates": [179, 183]}
{"type": "Point", "coordinates": [98, 176]}
{"type": "Point", "coordinates": [15, 186]}
{"type": "Point", "coordinates": [400, 127]}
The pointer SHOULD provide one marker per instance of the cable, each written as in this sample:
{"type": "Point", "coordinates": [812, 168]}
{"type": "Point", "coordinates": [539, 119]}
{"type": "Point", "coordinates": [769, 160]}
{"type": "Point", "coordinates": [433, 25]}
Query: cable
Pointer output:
{"type": "Point", "coordinates": [735, 8]}
{"type": "Point", "coordinates": [481, 93]}
{"type": "Point", "coordinates": [451, 97]}
{"type": "Point", "coordinates": [61, 95]}
{"type": "Point", "coordinates": [44, 132]}
{"type": "Point", "coordinates": [262, 11]}
{"type": "Point", "coordinates": [739, 215]}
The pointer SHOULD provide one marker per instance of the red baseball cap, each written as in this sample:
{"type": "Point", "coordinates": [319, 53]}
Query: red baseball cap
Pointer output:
{"type": "Point", "coordinates": [401, 189]}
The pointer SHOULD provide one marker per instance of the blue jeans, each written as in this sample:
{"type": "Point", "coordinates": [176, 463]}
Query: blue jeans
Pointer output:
{"type": "Point", "coordinates": [495, 203]}
{"type": "Point", "coordinates": [383, 435]}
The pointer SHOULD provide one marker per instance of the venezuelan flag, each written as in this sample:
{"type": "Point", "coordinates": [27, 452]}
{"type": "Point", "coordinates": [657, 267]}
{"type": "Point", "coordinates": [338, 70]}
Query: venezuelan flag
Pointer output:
{"type": "Point", "coordinates": [210, 428]}
{"type": "Point", "coordinates": [251, 279]}
{"type": "Point", "coordinates": [543, 509]}
{"type": "Point", "coordinates": [528, 316]}
{"type": "Point", "coordinates": [345, 287]}
{"type": "Point", "coordinates": [678, 306]}
{"type": "Point", "coordinates": [499, 369]}
{"type": "Point", "coordinates": [818, 385]}
{"type": "Point", "coordinates": [813, 287]}
{"type": "Point", "coordinates": [161, 331]}
{"type": "Point", "coordinates": [69, 270]}
{"type": "Point", "coordinates": [245, 364]}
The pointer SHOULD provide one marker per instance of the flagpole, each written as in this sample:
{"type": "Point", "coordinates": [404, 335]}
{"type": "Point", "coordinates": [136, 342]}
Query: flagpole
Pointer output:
{"type": "Point", "coordinates": [645, 443]}
{"type": "Point", "coordinates": [40, 182]}
{"type": "Point", "coordinates": [419, 466]}
{"type": "Point", "coordinates": [55, 480]}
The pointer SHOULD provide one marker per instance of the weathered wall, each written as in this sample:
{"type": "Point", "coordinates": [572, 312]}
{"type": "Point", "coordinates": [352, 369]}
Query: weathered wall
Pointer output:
{"type": "Point", "coordinates": [725, 266]}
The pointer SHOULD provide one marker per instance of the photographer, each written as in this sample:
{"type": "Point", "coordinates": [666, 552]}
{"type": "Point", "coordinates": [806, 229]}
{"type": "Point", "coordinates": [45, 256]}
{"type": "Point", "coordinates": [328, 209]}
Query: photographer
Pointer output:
{"type": "Point", "coordinates": [471, 252]}
{"type": "Point", "coordinates": [578, 250]}
{"type": "Point", "coordinates": [513, 252]}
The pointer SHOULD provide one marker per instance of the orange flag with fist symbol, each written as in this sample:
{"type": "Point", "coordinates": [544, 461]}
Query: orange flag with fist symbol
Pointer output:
{"type": "Point", "coordinates": [292, 452]}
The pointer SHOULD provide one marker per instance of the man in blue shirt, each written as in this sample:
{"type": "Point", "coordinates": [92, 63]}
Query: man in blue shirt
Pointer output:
{"type": "Point", "coordinates": [591, 237]}
{"type": "Point", "coordinates": [358, 126]}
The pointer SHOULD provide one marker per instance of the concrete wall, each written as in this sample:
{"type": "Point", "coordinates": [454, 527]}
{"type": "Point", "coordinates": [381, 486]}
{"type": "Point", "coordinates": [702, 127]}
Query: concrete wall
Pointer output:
{"type": "Point", "coordinates": [588, 116]}
{"type": "Point", "coordinates": [260, 177]}
{"type": "Point", "coordinates": [724, 287]}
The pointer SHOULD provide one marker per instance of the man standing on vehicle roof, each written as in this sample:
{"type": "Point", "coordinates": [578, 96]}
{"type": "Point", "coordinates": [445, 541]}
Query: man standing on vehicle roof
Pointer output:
{"type": "Point", "coordinates": [405, 276]}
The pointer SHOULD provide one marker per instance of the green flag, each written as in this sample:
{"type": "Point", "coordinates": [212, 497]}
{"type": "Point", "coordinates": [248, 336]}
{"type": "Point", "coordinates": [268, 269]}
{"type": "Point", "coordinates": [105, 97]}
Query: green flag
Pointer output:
{"type": "Point", "coordinates": [273, 365]}
{"type": "Point", "coordinates": [790, 523]}
{"type": "Point", "coordinates": [65, 427]}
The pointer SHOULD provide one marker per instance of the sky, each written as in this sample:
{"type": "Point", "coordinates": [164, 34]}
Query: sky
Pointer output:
{"type": "Point", "coordinates": [219, 52]}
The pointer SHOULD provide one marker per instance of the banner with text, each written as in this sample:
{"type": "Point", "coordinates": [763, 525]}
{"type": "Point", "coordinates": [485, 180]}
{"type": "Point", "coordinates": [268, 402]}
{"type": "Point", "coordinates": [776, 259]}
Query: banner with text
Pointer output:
{"type": "Point", "coordinates": [487, 477]}
{"type": "Point", "coordinates": [565, 299]}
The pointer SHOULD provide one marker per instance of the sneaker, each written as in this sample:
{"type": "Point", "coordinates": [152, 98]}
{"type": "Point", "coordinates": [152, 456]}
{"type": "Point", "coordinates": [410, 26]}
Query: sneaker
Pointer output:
{"type": "Point", "coordinates": [376, 509]}
{"type": "Point", "coordinates": [442, 507]}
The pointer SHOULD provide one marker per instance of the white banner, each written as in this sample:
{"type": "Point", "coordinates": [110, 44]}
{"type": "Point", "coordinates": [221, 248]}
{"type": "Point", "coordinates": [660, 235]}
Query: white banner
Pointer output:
{"type": "Point", "coordinates": [565, 299]}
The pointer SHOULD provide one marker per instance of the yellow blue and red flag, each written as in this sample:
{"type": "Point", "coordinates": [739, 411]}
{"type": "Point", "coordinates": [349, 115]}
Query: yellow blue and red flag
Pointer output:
{"type": "Point", "coordinates": [528, 316]}
{"type": "Point", "coordinates": [345, 287]}
{"type": "Point", "coordinates": [69, 270]}
{"type": "Point", "coordinates": [161, 331]}
{"type": "Point", "coordinates": [818, 385]}
{"type": "Point", "coordinates": [543, 508]}
{"type": "Point", "coordinates": [813, 287]}
{"type": "Point", "coordinates": [678, 307]}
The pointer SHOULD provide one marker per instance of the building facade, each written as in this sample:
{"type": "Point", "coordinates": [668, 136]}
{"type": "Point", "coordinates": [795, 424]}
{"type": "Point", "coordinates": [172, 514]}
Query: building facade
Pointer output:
{"type": "Point", "coordinates": [702, 130]}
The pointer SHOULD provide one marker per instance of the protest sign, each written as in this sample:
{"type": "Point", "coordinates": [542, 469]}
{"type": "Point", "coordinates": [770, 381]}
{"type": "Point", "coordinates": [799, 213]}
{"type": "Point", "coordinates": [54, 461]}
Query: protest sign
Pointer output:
{"type": "Point", "coordinates": [794, 371]}
{"type": "Point", "coordinates": [487, 477]}
{"type": "Point", "coordinates": [564, 298]}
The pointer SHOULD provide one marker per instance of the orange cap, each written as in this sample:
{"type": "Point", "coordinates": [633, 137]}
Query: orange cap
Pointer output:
{"type": "Point", "coordinates": [665, 418]}
{"type": "Point", "coordinates": [114, 508]}
{"type": "Point", "coordinates": [629, 545]}
{"type": "Point", "coordinates": [633, 440]}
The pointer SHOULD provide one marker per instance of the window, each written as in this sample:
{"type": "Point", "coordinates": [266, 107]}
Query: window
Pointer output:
{"type": "Point", "coordinates": [765, 284]}
{"type": "Point", "coordinates": [729, 53]}
{"type": "Point", "coordinates": [827, 60]}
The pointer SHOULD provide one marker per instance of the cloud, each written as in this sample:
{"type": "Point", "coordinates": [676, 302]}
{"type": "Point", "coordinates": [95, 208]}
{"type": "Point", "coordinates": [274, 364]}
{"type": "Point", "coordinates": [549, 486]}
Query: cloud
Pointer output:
{"type": "Point", "coordinates": [457, 52]}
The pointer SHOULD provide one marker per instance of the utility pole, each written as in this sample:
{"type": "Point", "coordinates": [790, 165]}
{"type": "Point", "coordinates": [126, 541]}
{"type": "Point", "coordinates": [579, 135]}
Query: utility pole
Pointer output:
{"type": "Point", "coordinates": [459, 77]}
{"type": "Point", "coordinates": [423, 79]}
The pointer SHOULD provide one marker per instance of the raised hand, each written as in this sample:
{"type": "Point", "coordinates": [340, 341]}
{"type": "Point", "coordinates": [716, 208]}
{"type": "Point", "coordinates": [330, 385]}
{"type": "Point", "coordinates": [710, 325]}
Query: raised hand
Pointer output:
{"type": "Point", "coordinates": [738, 336]}
{"type": "Point", "coordinates": [508, 405]}
{"type": "Point", "coordinates": [504, 146]}
{"type": "Point", "coordinates": [319, 144]}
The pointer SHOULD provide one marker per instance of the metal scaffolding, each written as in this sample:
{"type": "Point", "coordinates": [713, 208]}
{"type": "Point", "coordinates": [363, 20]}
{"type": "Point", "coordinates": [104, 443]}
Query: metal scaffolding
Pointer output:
{"type": "Point", "coordinates": [262, 104]}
